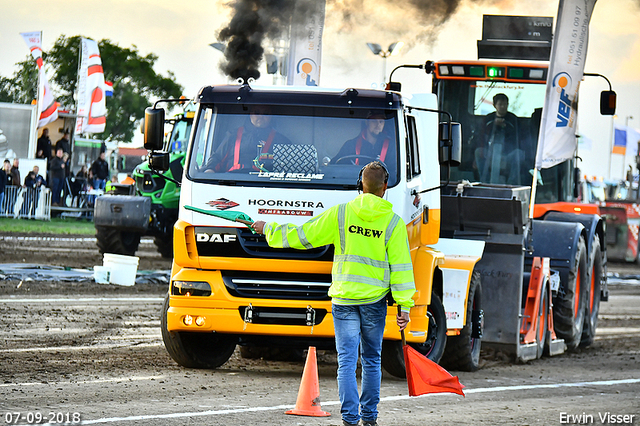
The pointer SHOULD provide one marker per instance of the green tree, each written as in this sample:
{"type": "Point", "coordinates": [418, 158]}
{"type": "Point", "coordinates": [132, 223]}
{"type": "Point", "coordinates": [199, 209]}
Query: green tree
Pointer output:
{"type": "Point", "coordinates": [135, 83]}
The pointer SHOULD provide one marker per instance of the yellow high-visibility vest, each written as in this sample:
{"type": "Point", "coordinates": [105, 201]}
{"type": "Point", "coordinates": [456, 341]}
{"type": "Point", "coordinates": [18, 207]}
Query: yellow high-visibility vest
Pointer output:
{"type": "Point", "coordinates": [371, 254]}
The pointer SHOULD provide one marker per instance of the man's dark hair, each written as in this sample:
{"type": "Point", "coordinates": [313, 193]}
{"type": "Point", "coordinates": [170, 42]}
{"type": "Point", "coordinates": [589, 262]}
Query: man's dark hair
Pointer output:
{"type": "Point", "coordinates": [500, 97]}
{"type": "Point", "coordinates": [374, 176]}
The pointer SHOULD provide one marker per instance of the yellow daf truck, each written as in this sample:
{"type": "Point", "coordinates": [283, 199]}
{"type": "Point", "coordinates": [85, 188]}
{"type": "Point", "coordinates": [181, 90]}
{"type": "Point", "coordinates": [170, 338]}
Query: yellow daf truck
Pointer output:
{"type": "Point", "coordinates": [229, 288]}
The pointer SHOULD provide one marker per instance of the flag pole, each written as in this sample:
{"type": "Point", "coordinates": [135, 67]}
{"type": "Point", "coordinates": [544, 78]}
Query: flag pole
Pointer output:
{"type": "Point", "coordinates": [77, 93]}
{"type": "Point", "coordinates": [38, 100]}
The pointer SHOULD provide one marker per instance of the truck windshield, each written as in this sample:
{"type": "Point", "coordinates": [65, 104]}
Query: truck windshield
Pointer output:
{"type": "Point", "coordinates": [500, 124]}
{"type": "Point", "coordinates": [291, 146]}
{"type": "Point", "coordinates": [180, 133]}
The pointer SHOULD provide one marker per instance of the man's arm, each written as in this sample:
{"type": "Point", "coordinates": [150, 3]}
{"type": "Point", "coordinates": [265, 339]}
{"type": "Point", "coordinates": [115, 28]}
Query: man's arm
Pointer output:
{"type": "Point", "coordinates": [316, 232]}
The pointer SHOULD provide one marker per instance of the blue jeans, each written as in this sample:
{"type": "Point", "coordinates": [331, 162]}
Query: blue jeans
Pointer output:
{"type": "Point", "coordinates": [359, 326]}
{"type": "Point", "coordinates": [57, 185]}
{"type": "Point", "coordinates": [99, 183]}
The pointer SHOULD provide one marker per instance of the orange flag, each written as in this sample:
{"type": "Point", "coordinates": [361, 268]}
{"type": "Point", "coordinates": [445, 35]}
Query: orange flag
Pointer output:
{"type": "Point", "coordinates": [425, 376]}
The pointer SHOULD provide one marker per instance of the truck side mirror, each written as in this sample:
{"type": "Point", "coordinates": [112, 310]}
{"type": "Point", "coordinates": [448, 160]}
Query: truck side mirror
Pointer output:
{"type": "Point", "coordinates": [608, 102]}
{"type": "Point", "coordinates": [450, 146]}
{"type": "Point", "coordinates": [153, 128]}
{"type": "Point", "coordinates": [577, 180]}
{"type": "Point", "coordinates": [159, 161]}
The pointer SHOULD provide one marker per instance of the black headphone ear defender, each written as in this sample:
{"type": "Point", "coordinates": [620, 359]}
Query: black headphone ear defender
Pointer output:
{"type": "Point", "coordinates": [359, 186]}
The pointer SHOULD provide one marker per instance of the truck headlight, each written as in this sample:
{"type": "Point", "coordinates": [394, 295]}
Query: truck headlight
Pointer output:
{"type": "Point", "coordinates": [190, 288]}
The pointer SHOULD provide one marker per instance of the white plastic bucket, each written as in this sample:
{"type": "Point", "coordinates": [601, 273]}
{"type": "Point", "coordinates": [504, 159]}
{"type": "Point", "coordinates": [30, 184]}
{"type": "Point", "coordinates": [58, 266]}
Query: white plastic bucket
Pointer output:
{"type": "Point", "coordinates": [101, 274]}
{"type": "Point", "coordinates": [122, 268]}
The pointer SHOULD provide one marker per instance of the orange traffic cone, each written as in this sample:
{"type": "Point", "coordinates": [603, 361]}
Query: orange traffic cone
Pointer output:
{"type": "Point", "coordinates": [308, 403]}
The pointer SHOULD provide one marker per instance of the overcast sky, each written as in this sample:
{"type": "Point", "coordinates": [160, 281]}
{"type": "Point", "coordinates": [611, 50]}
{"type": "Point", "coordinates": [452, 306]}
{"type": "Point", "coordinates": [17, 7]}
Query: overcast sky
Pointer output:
{"type": "Point", "coordinates": [179, 33]}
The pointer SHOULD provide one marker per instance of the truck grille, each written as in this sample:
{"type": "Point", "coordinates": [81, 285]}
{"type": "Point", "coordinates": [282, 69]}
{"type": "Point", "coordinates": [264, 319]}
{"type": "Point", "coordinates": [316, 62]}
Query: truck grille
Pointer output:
{"type": "Point", "coordinates": [241, 242]}
{"type": "Point", "coordinates": [280, 285]}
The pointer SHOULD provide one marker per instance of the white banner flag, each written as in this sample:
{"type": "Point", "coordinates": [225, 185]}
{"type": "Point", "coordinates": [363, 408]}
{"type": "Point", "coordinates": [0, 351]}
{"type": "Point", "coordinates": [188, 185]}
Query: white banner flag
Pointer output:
{"type": "Point", "coordinates": [92, 110]}
{"type": "Point", "coordinates": [557, 138]}
{"type": "Point", "coordinates": [305, 49]}
{"type": "Point", "coordinates": [47, 107]}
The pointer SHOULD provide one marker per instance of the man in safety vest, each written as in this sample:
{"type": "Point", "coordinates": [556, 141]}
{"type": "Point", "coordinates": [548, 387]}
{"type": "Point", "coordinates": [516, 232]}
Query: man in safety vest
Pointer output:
{"type": "Point", "coordinates": [249, 147]}
{"type": "Point", "coordinates": [371, 258]}
{"type": "Point", "coordinates": [371, 144]}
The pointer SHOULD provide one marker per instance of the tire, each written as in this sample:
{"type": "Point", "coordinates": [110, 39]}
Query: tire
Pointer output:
{"type": "Point", "coordinates": [462, 352]}
{"type": "Point", "coordinates": [570, 303]}
{"type": "Point", "coordinates": [542, 334]}
{"type": "Point", "coordinates": [196, 350]}
{"type": "Point", "coordinates": [110, 240]}
{"type": "Point", "coordinates": [593, 294]}
{"type": "Point", "coordinates": [164, 245]}
{"type": "Point", "coordinates": [433, 348]}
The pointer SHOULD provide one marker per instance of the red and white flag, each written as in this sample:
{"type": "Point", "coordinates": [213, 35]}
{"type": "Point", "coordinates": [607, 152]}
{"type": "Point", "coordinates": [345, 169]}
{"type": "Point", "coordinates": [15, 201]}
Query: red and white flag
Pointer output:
{"type": "Point", "coordinates": [47, 106]}
{"type": "Point", "coordinates": [92, 109]}
{"type": "Point", "coordinates": [557, 139]}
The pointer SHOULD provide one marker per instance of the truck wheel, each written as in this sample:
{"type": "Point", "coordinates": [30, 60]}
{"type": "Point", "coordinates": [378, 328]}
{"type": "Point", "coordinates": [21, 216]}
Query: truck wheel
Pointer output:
{"type": "Point", "coordinates": [463, 351]}
{"type": "Point", "coordinates": [165, 246]}
{"type": "Point", "coordinates": [196, 350]}
{"type": "Point", "coordinates": [432, 348]}
{"type": "Point", "coordinates": [593, 294]}
{"type": "Point", "coordinates": [570, 303]}
{"type": "Point", "coordinates": [543, 322]}
{"type": "Point", "coordinates": [111, 240]}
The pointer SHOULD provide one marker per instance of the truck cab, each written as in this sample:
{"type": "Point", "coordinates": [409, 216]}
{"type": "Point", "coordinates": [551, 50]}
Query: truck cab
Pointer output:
{"type": "Point", "coordinates": [228, 287]}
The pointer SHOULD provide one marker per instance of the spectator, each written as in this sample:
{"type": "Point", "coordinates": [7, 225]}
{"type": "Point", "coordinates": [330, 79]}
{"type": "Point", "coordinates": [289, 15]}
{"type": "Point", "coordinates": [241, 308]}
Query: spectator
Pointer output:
{"type": "Point", "coordinates": [100, 171]}
{"type": "Point", "coordinates": [82, 173]}
{"type": "Point", "coordinates": [30, 180]}
{"type": "Point", "coordinates": [3, 184]}
{"type": "Point", "coordinates": [15, 172]}
{"type": "Point", "coordinates": [10, 195]}
{"type": "Point", "coordinates": [67, 164]}
{"type": "Point", "coordinates": [44, 145]}
{"type": "Point", "coordinates": [40, 181]}
{"type": "Point", "coordinates": [57, 177]}
{"type": "Point", "coordinates": [64, 143]}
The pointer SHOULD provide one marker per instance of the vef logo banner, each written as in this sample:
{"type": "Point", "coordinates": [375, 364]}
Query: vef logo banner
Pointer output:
{"type": "Point", "coordinates": [557, 140]}
{"type": "Point", "coordinates": [305, 50]}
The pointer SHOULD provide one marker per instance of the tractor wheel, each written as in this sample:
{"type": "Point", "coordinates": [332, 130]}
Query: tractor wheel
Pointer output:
{"type": "Point", "coordinates": [463, 351]}
{"type": "Point", "coordinates": [196, 350]}
{"type": "Point", "coordinates": [569, 305]}
{"type": "Point", "coordinates": [110, 240]}
{"type": "Point", "coordinates": [432, 348]}
{"type": "Point", "coordinates": [164, 245]}
{"type": "Point", "coordinates": [593, 294]}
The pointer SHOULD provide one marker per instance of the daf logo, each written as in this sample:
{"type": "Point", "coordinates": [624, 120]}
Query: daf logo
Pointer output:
{"type": "Point", "coordinates": [215, 238]}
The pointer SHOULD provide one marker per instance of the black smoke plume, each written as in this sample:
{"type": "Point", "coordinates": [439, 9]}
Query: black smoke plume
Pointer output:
{"type": "Point", "coordinates": [253, 22]}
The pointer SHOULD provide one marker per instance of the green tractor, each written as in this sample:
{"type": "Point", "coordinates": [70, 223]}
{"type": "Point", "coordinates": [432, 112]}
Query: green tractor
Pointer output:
{"type": "Point", "coordinates": [148, 207]}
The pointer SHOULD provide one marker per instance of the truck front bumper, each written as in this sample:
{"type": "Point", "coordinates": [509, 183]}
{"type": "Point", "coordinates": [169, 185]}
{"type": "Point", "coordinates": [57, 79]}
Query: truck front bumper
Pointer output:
{"type": "Point", "coordinates": [222, 312]}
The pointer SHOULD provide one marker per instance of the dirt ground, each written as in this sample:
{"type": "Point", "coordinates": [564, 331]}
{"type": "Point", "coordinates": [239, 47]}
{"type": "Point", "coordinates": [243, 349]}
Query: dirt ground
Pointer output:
{"type": "Point", "coordinates": [96, 350]}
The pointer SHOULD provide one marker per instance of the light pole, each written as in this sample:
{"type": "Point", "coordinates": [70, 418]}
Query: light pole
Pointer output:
{"type": "Point", "coordinates": [626, 120]}
{"type": "Point", "coordinates": [219, 46]}
{"type": "Point", "coordinates": [394, 49]}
